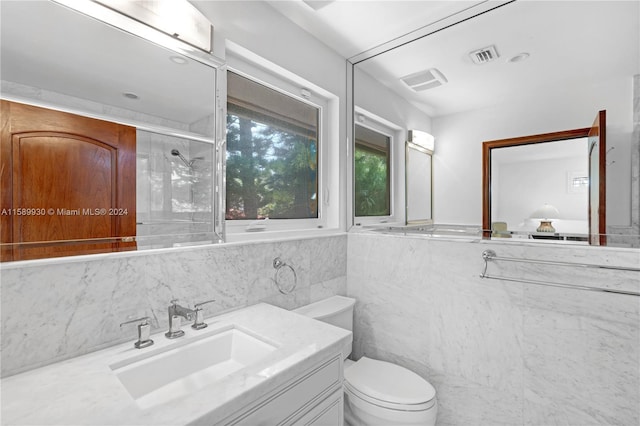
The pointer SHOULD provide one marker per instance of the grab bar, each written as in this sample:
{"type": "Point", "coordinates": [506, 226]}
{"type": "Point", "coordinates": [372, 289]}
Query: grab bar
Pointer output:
{"type": "Point", "coordinates": [488, 255]}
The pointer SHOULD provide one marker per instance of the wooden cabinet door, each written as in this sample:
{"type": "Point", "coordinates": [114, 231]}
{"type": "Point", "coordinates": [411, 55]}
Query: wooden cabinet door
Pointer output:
{"type": "Point", "coordinates": [65, 179]}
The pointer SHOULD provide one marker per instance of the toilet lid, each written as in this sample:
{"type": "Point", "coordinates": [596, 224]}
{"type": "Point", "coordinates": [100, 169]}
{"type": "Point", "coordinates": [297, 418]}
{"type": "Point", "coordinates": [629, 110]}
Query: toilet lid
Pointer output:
{"type": "Point", "coordinates": [388, 382]}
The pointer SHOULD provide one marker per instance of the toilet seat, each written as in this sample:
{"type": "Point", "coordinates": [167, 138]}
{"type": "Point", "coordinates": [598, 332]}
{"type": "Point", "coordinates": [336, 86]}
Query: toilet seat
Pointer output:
{"type": "Point", "coordinates": [388, 385]}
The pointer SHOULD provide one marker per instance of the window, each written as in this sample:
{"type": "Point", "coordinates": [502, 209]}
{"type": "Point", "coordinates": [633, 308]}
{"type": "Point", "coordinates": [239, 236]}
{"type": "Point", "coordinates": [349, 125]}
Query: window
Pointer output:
{"type": "Point", "coordinates": [272, 153]}
{"type": "Point", "coordinates": [577, 182]}
{"type": "Point", "coordinates": [580, 181]}
{"type": "Point", "coordinates": [372, 173]}
{"type": "Point", "coordinates": [283, 153]}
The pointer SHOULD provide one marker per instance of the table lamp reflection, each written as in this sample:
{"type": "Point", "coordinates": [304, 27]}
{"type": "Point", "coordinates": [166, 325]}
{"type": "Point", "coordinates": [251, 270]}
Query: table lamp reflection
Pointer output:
{"type": "Point", "coordinates": [545, 214]}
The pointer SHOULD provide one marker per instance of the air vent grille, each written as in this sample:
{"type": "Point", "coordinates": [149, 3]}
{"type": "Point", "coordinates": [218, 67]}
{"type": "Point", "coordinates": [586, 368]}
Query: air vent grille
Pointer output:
{"type": "Point", "coordinates": [484, 55]}
{"type": "Point", "coordinates": [424, 80]}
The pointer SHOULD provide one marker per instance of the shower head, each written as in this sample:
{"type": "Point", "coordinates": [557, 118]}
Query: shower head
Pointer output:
{"type": "Point", "coordinates": [180, 156]}
{"type": "Point", "coordinates": [188, 163]}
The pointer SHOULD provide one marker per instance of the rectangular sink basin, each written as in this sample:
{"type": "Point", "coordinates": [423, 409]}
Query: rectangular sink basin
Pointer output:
{"type": "Point", "coordinates": [183, 370]}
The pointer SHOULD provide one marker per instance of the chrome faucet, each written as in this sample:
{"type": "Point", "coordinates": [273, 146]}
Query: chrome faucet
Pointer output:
{"type": "Point", "coordinates": [175, 312]}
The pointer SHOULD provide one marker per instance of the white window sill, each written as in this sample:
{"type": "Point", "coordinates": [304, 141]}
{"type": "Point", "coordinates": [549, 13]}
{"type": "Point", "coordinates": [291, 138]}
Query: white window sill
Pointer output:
{"type": "Point", "coordinates": [287, 234]}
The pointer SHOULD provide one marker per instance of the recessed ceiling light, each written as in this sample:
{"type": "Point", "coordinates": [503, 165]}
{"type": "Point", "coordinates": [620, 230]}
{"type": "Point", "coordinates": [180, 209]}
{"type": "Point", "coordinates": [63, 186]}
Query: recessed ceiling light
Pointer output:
{"type": "Point", "coordinates": [130, 95]}
{"type": "Point", "coordinates": [519, 57]}
{"type": "Point", "coordinates": [178, 60]}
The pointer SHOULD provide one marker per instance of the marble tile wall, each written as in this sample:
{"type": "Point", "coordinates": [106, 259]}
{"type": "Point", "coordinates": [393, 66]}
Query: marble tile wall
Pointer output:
{"type": "Point", "coordinates": [52, 310]}
{"type": "Point", "coordinates": [499, 352]}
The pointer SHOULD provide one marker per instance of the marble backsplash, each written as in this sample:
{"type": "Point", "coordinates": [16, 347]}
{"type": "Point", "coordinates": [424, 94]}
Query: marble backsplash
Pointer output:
{"type": "Point", "coordinates": [56, 309]}
{"type": "Point", "coordinates": [499, 352]}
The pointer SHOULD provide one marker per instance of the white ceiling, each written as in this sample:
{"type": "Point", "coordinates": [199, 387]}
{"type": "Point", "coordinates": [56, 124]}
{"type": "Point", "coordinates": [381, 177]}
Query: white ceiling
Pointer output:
{"type": "Point", "coordinates": [572, 45]}
{"type": "Point", "coordinates": [44, 45]}
{"type": "Point", "coordinates": [354, 26]}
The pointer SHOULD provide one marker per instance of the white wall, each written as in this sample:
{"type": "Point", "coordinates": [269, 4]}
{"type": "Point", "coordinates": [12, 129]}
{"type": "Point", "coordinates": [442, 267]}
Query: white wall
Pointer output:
{"type": "Point", "coordinates": [524, 186]}
{"type": "Point", "coordinates": [378, 99]}
{"type": "Point", "coordinates": [458, 156]}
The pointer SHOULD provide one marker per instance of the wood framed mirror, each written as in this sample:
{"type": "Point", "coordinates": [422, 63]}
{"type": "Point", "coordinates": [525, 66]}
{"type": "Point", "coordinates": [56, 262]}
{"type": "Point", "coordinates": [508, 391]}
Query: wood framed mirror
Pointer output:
{"type": "Point", "coordinates": [594, 164]}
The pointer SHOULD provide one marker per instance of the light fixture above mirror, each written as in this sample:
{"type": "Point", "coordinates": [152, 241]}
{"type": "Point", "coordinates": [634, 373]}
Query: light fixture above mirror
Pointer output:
{"type": "Point", "coordinates": [177, 18]}
{"type": "Point", "coordinates": [422, 139]}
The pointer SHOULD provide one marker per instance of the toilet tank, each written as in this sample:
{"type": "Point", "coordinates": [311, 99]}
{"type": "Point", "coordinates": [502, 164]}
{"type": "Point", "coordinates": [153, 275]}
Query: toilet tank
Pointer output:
{"type": "Point", "coordinates": [336, 310]}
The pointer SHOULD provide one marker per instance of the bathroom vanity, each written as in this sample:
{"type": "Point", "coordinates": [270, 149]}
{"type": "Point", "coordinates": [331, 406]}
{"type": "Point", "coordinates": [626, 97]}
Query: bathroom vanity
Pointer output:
{"type": "Point", "coordinates": [256, 365]}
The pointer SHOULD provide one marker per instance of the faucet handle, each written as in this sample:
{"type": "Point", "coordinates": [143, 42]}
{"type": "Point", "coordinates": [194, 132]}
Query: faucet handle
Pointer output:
{"type": "Point", "coordinates": [197, 305]}
{"type": "Point", "coordinates": [199, 323]}
{"type": "Point", "coordinates": [144, 332]}
{"type": "Point", "coordinates": [141, 320]}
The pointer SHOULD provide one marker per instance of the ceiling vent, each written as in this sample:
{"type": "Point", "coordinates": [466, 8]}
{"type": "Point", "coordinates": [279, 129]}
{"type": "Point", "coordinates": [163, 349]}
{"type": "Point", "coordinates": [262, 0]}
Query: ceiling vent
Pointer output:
{"type": "Point", "coordinates": [424, 80]}
{"type": "Point", "coordinates": [484, 55]}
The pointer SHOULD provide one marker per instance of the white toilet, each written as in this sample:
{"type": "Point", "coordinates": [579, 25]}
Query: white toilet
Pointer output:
{"type": "Point", "coordinates": [376, 392]}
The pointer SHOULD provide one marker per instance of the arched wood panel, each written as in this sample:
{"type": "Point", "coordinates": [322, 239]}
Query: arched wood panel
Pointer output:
{"type": "Point", "coordinates": [66, 179]}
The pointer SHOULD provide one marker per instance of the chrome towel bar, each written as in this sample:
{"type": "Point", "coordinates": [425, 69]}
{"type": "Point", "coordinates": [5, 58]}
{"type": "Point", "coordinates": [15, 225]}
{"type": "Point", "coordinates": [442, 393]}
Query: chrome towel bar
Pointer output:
{"type": "Point", "coordinates": [491, 255]}
{"type": "Point", "coordinates": [488, 255]}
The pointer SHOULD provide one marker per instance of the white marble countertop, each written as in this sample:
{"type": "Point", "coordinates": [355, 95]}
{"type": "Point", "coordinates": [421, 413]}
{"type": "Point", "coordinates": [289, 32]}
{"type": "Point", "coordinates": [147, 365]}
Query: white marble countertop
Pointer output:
{"type": "Point", "coordinates": [86, 391]}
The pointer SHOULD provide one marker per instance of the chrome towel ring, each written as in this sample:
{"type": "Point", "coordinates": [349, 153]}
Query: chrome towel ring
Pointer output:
{"type": "Point", "coordinates": [285, 276]}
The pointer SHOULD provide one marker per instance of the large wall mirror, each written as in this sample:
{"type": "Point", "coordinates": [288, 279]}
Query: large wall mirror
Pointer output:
{"type": "Point", "coordinates": [68, 188]}
{"type": "Point", "coordinates": [519, 68]}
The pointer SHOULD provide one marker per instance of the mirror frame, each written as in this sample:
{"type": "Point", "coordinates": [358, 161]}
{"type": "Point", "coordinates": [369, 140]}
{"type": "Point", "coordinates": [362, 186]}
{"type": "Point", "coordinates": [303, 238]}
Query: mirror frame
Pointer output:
{"type": "Point", "coordinates": [488, 146]}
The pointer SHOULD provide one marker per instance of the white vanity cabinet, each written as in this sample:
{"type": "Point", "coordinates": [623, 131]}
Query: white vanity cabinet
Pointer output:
{"type": "Point", "coordinates": [329, 412]}
{"type": "Point", "coordinates": [315, 397]}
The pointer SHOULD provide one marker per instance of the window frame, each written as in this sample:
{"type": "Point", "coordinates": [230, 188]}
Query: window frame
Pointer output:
{"type": "Point", "coordinates": [273, 77]}
{"type": "Point", "coordinates": [386, 128]}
